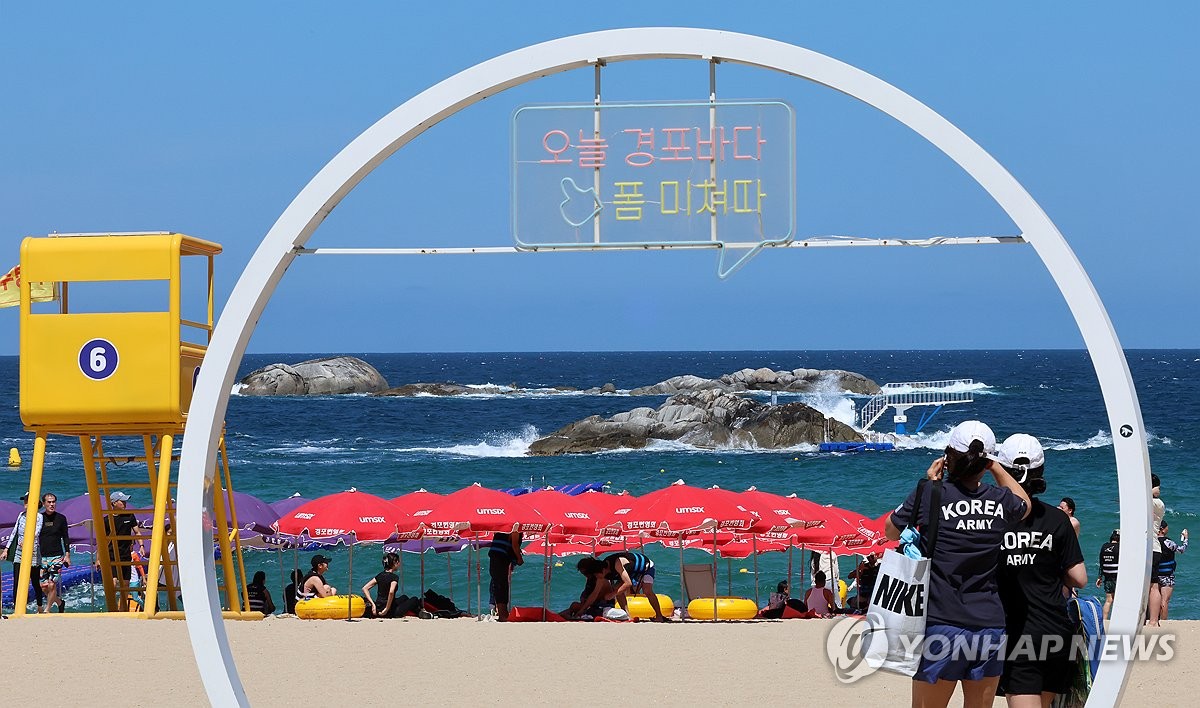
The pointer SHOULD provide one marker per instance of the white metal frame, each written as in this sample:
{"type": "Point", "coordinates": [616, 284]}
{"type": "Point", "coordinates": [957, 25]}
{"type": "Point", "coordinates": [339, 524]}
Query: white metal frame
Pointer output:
{"type": "Point", "coordinates": [366, 152]}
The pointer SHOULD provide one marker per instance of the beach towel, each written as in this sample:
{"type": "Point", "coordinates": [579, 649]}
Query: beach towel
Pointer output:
{"type": "Point", "coordinates": [896, 616]}
{"type": "Point", "coordinates": [533, 614]}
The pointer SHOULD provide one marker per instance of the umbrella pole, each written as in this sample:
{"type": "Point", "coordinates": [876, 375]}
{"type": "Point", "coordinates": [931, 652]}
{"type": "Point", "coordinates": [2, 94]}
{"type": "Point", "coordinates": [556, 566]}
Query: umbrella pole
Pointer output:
{"type": "Point", "coordinates": [682, 589]}
{"type": "Point", "coordinates": [401, 554]}
{"type": "Point", "coordinates": [546, 573]}
{"type": "Point", "coordinates": [350, 588]}
{"type": "Point", "coordinates": [279, 560]}
{"type": "Point", "coordinates": [478, 583]}
{"type": "Point", "coordinates": [450, 576]}
{"type": "Point", "coordinates": [714, 573]}
{"type": "Point", "coordinates": [729, 575]}
{"type": "Point", "coordinates": [790, 555]}
{"type": "Point", "coordinates": [422, 569]}
{"type": "Point", "coordinates": [754, 544]}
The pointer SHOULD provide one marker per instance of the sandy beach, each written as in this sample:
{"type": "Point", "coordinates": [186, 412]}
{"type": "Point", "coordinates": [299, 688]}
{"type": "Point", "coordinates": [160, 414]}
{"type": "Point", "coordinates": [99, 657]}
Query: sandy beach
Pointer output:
{"type": "Point", "coordinates": [286, 661]}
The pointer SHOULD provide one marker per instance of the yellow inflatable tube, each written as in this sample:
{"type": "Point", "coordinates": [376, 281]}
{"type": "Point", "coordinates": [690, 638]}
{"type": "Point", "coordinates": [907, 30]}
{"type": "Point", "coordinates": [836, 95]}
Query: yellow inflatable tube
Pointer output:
{"type": "Point", "coordinates": [729, 608]}
{"type": "Point", "coordinates": [332, 607]}
{"type": "Point", "coordinates": [639, 606]}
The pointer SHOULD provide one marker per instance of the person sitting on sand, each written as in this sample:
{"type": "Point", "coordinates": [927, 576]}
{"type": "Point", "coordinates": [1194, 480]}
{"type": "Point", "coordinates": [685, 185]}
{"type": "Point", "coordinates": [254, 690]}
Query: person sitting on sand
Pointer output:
{"type": "Point", "coordinates": [819, 598]}
{"type": "Point", "coordinates": [314, 583]}
{"type": "Point", "coordinates": [865, 574]}
{"type": "Point", "coordinates": [781, 598]}
{"type": "Point", "coordinates": [385, 583]}
{"type": "Point", "coordinates": [289, 592]}
{"type": "Point", "coordinates": [258, 595]}
{"type": "Point", "coordinates": [598, 594]}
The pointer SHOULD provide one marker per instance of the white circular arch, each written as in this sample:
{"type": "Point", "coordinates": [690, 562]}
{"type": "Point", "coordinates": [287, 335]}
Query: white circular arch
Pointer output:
{"type": "Point", "coordinates": [396, 129]}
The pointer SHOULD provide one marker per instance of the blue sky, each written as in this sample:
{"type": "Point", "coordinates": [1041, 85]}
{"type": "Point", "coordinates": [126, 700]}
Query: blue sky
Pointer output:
{"type": "Point", "coordinates": [209, 118]}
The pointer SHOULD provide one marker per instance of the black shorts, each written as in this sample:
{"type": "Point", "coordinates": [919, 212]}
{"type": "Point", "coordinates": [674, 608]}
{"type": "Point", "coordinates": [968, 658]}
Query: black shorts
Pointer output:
{"type": "Point", "coordinates": [1154, 561]}
{"type": "Point", "coordinates": [498, 568]}
{"type": "Point", "coordinates": [1028, 676]}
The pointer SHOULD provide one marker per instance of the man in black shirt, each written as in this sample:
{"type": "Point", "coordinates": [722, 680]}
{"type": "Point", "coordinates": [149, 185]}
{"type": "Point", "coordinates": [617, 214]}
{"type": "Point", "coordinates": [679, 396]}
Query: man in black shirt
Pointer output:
{"type": "Point", "coordinates": [55, 548]}
{"type": "Point", "coordinates": [120, 527]}
{"type": "Point", "coordinates": [1039, 558]}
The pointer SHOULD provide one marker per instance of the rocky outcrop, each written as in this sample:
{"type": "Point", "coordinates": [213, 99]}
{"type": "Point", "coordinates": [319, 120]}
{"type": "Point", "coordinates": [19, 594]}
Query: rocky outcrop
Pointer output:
{"type": "Point", "coordinates": [453, 389]}
{"type": "Point", "coordinates": [764, 379]}
{"type": "Point", "coordinates": [707, 418]}
{"type": "Point", "coordinates": [316, 377]}
{"type": "Point", "coordinates": [438, 389]}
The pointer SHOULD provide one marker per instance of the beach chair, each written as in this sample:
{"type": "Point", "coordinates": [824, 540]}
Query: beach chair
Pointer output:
{"type": "Point", "coordinates": [699, 580]}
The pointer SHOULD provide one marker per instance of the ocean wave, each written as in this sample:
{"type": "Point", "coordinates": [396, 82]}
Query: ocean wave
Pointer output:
{"type": "Point", "coordinates": [1102, 438]}
{"type": "Point", "coordinates": [306, 448]}
{"type": "Point", "coordinates": [500, 445]}
{"type": "Point", "coordinates": [976, 386]}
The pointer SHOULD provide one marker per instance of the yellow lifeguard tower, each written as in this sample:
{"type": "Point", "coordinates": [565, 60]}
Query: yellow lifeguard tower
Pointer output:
{"type": "Point", "coordinates": [98, 375]}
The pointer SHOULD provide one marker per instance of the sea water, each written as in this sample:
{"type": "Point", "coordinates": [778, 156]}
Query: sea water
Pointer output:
{"type": "Point", "coordinates": [389, 446]}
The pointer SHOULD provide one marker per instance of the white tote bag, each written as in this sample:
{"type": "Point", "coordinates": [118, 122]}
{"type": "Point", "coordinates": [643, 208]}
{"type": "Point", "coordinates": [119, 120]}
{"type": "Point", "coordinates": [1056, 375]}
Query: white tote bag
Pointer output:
{"type": "Point", "coordinates": [896, 616]}
{"type": "Point", "coordinates": [900, 600]}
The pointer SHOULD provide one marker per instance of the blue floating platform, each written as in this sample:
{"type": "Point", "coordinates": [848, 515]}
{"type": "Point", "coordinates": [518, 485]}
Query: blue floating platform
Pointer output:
{"type": "Point", "coordinates": [856, 447]}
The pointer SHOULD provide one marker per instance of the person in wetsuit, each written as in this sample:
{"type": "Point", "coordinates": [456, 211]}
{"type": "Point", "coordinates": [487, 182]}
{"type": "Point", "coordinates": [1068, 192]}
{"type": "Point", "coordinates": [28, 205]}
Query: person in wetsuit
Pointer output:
{"type": "Point", "coordinates": [55, 548]}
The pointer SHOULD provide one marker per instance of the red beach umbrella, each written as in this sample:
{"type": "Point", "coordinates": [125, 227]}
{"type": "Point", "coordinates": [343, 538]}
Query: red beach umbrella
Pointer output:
{"type": "Point", "coordinates": [680, 508]}
{"type": "Point", "coordinates": [570, 514]}
{"type": "Point", "coordinates": [483, 510]}
{"type": "Point", "coordinates": [366, 516]}
{"type": "Point", "coordinates": [417, 505]}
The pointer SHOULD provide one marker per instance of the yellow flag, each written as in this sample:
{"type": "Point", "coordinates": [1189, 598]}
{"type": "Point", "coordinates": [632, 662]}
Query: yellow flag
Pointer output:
{"type": "Point", "coordinates": [10, 289]}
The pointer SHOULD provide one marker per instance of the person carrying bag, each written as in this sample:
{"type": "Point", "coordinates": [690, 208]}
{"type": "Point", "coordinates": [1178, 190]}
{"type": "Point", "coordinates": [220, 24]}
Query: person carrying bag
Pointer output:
{"type": "Point", "coordinates": [964, 619]}
{"type": "Point", "coordinates": [900, 599]}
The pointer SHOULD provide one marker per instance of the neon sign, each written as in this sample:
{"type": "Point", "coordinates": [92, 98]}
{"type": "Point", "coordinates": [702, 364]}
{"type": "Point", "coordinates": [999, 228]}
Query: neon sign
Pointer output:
{"type": "Point", "coordinates": [654, 174]}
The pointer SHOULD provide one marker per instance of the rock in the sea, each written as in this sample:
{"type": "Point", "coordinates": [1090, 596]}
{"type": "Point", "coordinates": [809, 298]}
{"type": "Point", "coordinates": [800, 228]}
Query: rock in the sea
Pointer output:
{"type": "Point", "coordinates": [316, 377]}
{"type": "Point", "coordinates": [705, 418]}
{"type": "Point", "coordinates": [439, 389]}
{"type": "Point", "coordinates": [764, 379]}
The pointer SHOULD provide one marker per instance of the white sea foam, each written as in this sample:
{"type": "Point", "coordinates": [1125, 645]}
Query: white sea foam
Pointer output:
{"type": "Point", "coordinates": [1102, 438]}
{"type": "Point", "coordinates": [306, 448]}
{"type": "Point", "coordinates": [499, 445]}
{"type": "Point", "coordinates": [977, 386]}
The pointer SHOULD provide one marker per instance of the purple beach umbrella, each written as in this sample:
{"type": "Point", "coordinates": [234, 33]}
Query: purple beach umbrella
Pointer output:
{"type": "Point", "coordinates": [8, 513]}
{"type": "Point", "coordinates": [285, 506]}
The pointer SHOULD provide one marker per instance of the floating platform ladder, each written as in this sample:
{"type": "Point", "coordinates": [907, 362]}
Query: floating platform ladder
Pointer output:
{"type": "Point", "coordinates": [121, 383]}
{"type": "Point", "coordinates": [902, 396]}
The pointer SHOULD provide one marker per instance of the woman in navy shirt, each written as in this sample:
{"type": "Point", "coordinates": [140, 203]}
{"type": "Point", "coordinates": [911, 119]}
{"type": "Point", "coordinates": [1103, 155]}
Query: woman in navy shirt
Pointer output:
{"type": "Point", "coordinates": [964, 610]}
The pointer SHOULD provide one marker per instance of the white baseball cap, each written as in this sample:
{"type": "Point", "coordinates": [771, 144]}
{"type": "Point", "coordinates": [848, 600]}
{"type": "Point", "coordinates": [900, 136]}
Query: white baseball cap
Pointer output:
{"type": "Point", "coordinates": [967, 431]}
{"type": "Point", "coordinates": [1018, 446]}
{"type": "Point", "coordinates": [118, 496]}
